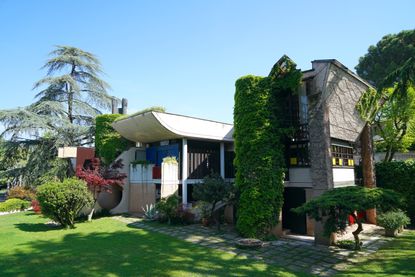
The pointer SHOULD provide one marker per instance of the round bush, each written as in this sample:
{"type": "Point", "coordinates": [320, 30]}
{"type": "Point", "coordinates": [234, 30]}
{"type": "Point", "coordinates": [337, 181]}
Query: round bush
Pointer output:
{"type": "Point", "coordinates": [62, 201]}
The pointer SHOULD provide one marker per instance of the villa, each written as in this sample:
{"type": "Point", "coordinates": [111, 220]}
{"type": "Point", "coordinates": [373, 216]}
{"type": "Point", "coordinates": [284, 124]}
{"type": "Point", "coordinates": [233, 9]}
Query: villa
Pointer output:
{"type": "Point", "coordinates": [320, 154]}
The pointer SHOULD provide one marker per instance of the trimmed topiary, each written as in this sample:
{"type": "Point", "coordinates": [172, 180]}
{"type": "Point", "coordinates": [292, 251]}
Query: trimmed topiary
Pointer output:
{"type": "Point", "coordinates": [62, 201]}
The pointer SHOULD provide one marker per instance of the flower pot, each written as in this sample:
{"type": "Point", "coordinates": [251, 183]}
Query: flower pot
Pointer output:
{"type": "Point", "coordinates": [391, 232]}
{"type": "Point", "coordinates": [400, 230]}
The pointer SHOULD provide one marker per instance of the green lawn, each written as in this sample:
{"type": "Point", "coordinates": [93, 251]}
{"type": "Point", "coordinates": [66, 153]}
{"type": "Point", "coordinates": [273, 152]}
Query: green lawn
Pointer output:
{"type": "Point", "coordinates": [395, 259]}
{"type": "Point", "coordinates": [107, 247]}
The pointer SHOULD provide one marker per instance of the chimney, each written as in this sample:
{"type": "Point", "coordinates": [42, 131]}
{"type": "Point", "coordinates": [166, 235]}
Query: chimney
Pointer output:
{"type": "Point", "coordinates": [124, 105]}
{"type": "Point", "coordinates": [114, 106]}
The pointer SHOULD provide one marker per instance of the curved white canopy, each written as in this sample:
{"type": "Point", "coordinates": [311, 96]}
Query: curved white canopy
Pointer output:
{"type": "Point", "coordinates": [156, 126]}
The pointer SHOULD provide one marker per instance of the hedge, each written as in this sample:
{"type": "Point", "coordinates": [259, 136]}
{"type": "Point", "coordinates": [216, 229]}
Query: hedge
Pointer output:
{"type": "Point", "coordinates": [108, 143]}
{"type": "Point", "coordinates": [399, 176]}
{"type": "Point", "coordinates": [14, 204]}
{"type": "Point", "coordinates": [259, 131]}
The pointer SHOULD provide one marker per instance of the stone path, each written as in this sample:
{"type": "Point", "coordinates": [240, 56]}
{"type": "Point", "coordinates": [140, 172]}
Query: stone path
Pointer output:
{"type": "Point", "coordinates": [292, 254]}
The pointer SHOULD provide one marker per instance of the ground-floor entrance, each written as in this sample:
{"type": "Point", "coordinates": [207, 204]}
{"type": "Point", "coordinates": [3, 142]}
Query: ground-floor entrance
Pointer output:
{"type": "Point", "coordinates": [297, 224]}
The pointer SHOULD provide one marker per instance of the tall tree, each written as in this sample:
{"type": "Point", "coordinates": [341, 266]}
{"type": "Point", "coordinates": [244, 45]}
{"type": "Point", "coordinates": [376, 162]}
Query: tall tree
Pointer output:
{"type": "Point", "coordinates": [387, 66]}
{"type": "Point", "coordinates": [68, 99]}
{"type": "Point", "coordinates": [390, 53]}
{"type": "Point", "coordinates": [369, 106]}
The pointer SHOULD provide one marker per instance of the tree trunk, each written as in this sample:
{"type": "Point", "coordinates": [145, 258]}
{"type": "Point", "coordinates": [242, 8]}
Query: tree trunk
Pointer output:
{"type": "Point", "coordinates": [368, 167]}
{"type": "Point", "coordinates": [70, 96]}
{"type": "Point", "coordinates": [356, 233]}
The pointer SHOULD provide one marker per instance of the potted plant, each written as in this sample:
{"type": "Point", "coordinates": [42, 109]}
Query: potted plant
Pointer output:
{"type": "Point", "coordinates": [393, 222]}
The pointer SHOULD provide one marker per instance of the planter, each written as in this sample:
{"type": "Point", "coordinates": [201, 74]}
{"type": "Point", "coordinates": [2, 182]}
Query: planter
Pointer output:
{"type": "Point", "coordinates": [391, 232]}
{"type": "Point", "coordinates": [400, 230]}
{"type": "Point", "coordinates": [249, 243]}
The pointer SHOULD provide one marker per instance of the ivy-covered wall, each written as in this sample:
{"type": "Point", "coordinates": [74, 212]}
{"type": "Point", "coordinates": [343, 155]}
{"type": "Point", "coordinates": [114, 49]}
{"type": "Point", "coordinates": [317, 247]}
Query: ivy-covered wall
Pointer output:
{"type": "Point", "coordinates": [108, 143]}
{"type": "Point", "coordinates": [260, 129]}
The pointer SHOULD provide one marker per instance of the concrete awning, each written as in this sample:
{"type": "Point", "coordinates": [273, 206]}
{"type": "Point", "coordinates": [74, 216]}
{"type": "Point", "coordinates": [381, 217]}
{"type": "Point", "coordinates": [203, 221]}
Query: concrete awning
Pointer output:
{"type": "Point", "coordinates": [157, 126]}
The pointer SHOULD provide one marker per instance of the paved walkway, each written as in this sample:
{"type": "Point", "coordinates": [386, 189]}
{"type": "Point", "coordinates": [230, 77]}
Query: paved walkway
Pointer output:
{"type": "Point", "coordinates": [299, 256]}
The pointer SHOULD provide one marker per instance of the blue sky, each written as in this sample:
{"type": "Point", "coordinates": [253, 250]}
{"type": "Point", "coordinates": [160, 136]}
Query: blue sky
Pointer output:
{"type": "Point", "coordinates": [187, 55]}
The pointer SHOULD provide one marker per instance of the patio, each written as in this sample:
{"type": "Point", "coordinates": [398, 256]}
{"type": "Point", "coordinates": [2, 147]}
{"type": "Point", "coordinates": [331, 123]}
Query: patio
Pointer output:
{"type": "Point", "coordinates": [291, 253]}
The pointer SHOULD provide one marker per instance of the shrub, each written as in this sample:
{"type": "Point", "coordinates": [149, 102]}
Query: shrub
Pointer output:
{"type": "Point", "coordinates": [167, 208]}
{"type": "Point", "coordinates": [346, 244]}
{"type": "Point", "coordinates": [399, 176]}
{"type": "Point", "coordinates": [36, 206]}
{"type": "Point", "coordinates": [22, 193]}
{"type": "Point", "coordinates": [213, 190]}
{"type": "Point", "coordinates": [62, 201]}
{"type": "Point", "coordinates": [393, 220]}
{"type": "Point", "coordinates": [14, 204]}
{"type": "Point", "coordinates": [183, 216]}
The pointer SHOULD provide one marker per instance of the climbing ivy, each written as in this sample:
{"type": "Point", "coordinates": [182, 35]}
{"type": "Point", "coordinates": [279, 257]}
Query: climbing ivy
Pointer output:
{"type": "Point", "coordinates": [108, 143]}
{"type": "Point", "coordinates": [260, 130]}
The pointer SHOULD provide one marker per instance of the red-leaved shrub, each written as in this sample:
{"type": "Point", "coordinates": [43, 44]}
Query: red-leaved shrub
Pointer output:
{"type": "Point", "coordinates": [36, 206]}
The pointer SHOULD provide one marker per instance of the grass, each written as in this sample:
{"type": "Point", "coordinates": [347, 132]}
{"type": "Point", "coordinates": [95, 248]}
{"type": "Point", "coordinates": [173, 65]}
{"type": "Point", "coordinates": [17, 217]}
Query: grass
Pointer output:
{"type": "Point", "coordinates": [107, 247]}
{"type": "Point", "coordinates": [397, 258]}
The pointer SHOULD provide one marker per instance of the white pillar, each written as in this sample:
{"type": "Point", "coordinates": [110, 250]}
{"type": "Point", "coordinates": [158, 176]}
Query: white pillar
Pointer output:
{"type": "Point", "coordinates": [222, 160]}
{"type": "Point", "coordinates": [184, 171]}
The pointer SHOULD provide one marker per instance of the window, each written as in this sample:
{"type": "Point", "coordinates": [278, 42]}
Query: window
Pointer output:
{"type": "Point", "coordinates": [342, 156]}
{"type": "Point", "coordinates": [298, 154]}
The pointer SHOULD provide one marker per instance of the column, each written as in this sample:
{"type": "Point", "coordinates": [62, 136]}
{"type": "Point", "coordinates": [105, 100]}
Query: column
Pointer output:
{"type": "Point", "coordinates": [184, 171]}
{"type": "Point", "coordinates": [222, 160]}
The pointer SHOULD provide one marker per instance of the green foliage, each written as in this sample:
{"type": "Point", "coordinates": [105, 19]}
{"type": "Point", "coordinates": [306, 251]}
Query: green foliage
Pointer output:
{"type": "Point", "coordinates": [22, 193]}
{"type": "Point", "coordinates": [393, 220]}
{"type": "Point", "coordinates": [150, 212]}
{"type": "Point", "coordinates": [345, 244]}
{"type": "Point", "coordinates": [395, 121]}
{"type": "Point", "coordinates": [259, 130]}
{"type": "Point", "coordinates": [62, 201]}
{"type": "Point", "coordinates": [68, 98]}
{"type": "Point", "coordinates": [337, 204]}
{"type": "Point", "coordinates": [140, 162]}
{"type": "Point", "coordinates": [14, 204]}
{"type": "Point", "coordinates": [400, 177]}
{"type": "Point", "coordinates": [170, 160]}
{"type": "Point", "coordinates": [390, 65]}
{"type": "Point", "coordinates": [369, 105]}
{"type": "Point", "coordinates": [167, 207]}
{"type": "Point", "coordinates": [109, 143]}
{"type": "Point", "coordinates": [391, 52]}
{"type": "Point", "coordinates": [146, 110]}
{"type": "Point", "coordinates": [213, 190]}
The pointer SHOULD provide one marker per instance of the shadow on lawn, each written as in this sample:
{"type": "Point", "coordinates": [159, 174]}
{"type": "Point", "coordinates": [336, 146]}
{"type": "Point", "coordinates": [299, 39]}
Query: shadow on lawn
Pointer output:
{"type": "Point", "coordinates": [36, 227]}
{"type": "Point", "coordinates": [396, 259]}
{"type": "Point", "coordinates": [124, 253]}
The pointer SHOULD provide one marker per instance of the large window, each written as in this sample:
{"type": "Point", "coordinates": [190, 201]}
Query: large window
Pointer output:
{"type": "Point", "coordinates": [342, 156]}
